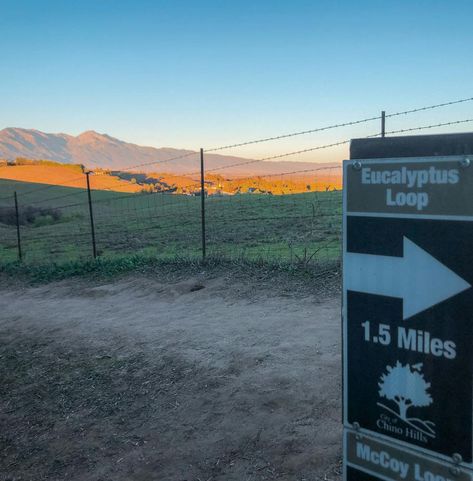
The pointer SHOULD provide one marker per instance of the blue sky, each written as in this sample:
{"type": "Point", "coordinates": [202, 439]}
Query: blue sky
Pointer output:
{"type": "Point", "coordinates": [191, 74]}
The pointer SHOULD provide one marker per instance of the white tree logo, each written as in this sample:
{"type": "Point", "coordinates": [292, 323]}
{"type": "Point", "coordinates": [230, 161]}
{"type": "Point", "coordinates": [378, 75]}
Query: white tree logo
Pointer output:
{"type": "Point", "coordinates": [406, 386]}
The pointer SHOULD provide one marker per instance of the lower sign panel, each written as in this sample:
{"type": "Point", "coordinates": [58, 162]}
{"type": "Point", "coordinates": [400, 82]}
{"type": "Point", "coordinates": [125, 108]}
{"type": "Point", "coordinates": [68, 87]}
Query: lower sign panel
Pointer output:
{"type": "Point", "coordinates": [368, 458]}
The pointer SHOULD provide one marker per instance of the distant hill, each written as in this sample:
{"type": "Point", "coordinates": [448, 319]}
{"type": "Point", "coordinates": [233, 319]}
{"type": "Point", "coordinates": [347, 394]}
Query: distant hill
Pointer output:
{"type": "Point", "coordinates": [64, 175]}
{"type": "Point", "coordinates": [100, 150]}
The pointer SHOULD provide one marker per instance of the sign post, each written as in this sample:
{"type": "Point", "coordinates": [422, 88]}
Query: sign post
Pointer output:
{"type": "Point", "coordinates": [408, 318]}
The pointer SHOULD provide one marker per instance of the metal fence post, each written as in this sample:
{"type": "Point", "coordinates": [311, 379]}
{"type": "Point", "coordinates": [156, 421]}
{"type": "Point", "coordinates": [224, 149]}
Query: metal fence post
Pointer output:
{"type": "Point", "coordinates": [91, 212]}
{"type": "Point", "coordinates": [18, 238]}
{"type": "Point", "coordinates": [202, 201]}
{"type": "Point", "coordinates": [383, 123]}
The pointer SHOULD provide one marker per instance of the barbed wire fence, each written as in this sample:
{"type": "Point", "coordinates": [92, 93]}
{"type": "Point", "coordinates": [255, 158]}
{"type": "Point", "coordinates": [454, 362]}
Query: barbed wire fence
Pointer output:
{"type": "Point", "coordinates": [199, 213]}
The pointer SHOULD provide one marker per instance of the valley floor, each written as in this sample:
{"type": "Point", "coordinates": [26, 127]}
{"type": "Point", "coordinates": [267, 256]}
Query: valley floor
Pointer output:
{"type": "Point", "coordinates": [202, 377]}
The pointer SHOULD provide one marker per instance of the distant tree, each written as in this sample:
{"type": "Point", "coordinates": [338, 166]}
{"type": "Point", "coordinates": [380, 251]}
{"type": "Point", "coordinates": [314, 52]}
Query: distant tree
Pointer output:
{"type": "Point", "coordinates": [308, 187]}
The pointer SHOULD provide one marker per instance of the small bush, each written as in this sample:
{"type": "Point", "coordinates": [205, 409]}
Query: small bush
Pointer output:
{"type": "Point", "coordinates": [43, 220]}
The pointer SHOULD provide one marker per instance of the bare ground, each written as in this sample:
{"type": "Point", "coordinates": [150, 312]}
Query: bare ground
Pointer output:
{"type": "Point", "coordinates": [201, 377]}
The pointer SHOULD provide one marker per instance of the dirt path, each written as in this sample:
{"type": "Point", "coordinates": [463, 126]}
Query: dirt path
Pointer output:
{"type": "Point", "coordinates": [197, 379]}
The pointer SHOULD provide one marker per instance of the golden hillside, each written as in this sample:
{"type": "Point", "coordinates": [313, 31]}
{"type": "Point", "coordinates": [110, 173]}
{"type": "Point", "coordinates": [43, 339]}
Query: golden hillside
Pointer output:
{"type": "Point", "coordinates": [65, 175]}
{"type": "Point", "coordinates": [49, 172]}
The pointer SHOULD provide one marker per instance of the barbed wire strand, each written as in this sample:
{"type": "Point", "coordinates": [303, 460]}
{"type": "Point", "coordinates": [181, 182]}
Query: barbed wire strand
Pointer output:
{"type": "Point", "coordinates": [430, 107]}
{"type": "Point", "coordinates": [183, 156]}
{"type": "Point", "coordinates": [278, 156]}
{"type": "Point", "coordinates": [424, 127]}
{"type": "Point", "coordinates": [326, 146]}
{"type": "Point", "coordinates": [334, 126]}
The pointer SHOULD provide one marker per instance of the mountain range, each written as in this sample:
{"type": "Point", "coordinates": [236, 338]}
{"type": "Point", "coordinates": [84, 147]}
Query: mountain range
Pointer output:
{"type": "Point", "coordinates": [100, 150]}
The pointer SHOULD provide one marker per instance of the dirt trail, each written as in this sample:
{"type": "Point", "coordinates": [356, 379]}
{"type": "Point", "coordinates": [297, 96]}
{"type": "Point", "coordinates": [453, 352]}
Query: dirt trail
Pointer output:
{"type": "Point", "coordinates": [196, 379]}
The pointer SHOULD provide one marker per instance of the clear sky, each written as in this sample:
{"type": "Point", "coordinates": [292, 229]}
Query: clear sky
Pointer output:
{"type": "Point", "coordinates": [203, 73]}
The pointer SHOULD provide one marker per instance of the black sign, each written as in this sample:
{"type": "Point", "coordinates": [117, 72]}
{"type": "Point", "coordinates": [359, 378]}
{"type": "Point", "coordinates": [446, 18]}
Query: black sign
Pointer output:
{"type": "Point", "coordinates": [408, 304]}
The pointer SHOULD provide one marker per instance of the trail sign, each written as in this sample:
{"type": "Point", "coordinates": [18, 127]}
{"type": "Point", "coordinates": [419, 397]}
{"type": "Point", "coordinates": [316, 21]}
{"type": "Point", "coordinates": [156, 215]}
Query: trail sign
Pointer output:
{"type": "Point", "coordinates": [379, 458]}
{"type": "Point", "coordinates": [408, 313]}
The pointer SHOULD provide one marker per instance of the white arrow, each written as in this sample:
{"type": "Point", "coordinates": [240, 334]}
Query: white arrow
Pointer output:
{"type": "Point", "coordinates": [417, 277]}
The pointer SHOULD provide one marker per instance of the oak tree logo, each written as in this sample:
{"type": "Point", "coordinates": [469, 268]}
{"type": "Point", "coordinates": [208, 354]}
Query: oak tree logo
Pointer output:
{"type": "Point", "coordinates": [406, 386]}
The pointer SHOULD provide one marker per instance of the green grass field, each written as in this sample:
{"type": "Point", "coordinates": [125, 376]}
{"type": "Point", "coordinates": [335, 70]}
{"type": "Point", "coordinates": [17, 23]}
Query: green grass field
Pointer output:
{"type": "Point", "coordinates": [298, 229]}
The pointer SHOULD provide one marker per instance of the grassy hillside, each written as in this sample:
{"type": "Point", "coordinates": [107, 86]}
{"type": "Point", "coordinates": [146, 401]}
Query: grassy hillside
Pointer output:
{"type": "Point", "coordinates": [219, 184]}
{"type": "Point", "coordinates": [55, 226]}
{"type": "Point", "coordinates": [67, 175]}
{"type": "Point", "coordinates": [49, 172]}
